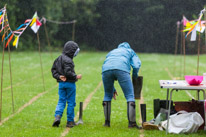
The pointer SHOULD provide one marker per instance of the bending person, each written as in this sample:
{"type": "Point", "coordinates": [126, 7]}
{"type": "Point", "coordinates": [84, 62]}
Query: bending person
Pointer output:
{"type": "Point", "coordinates": [117, 66]}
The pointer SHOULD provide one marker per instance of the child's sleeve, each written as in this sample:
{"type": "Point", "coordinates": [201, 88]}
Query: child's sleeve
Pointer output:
{"type": "Point", "coordinates": [55, 74]}
{"type": "Point", "coordinates": [69, 71]}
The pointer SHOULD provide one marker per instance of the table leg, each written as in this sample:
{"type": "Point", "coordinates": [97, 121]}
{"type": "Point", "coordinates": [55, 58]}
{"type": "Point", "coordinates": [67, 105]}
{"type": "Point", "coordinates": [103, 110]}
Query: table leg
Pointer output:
{"type": "Point", "coordinates": [198, 94]}
{"type": "Point", "coordinates": [204, 108]}
{"type": "Point", "coordinates": [167, 98]}
{"type": "Point", "coordinates": [169, 110]}
{"type": "Point", "coordinates": [203, 93]}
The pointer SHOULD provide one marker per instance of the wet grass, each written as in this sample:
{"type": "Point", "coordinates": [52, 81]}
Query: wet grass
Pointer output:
{"type": "Point", "coordinates": [36, 119]}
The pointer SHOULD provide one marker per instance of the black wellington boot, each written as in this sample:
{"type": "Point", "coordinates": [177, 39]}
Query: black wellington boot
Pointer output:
{"type": "Point", "coordinates": [57, 121]}
{"type": "Point", "coordinates": [70, 124]}
{"type": "Point", "coordinates": [143, 112]}
{"type": "Point", "coordinates": [107, 112]}
{"type": "Point", "coordinates": [137, 84]}
{"type": "Point", "coordinates": [131, 115]}
{"type": "Point", "coordinates": [156, 107]}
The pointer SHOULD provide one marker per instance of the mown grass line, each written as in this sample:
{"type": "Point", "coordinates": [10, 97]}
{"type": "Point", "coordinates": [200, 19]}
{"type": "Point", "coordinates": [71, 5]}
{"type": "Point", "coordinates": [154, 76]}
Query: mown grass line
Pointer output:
{"type": "Point", "coordinates": [94, 118]}
{"type": "Point", "coordinates": [141, 101]}
{"type": "Point", "coordinates": [153, 66]}
{"type": "Point", "coordinates": [172, 77]}
{"type": "Point", "coordinates": [36, 119]}
{"type": "Point", "coordinates": [40, 113]}
{"type": "Point", "coordinates": [85, 103]}
{"type": "Point", "coordinates": [199, 132]}
{"type": "Point", "coordinates": [24, 81]}
{"type": "Point", "coordinates": [26, 105]}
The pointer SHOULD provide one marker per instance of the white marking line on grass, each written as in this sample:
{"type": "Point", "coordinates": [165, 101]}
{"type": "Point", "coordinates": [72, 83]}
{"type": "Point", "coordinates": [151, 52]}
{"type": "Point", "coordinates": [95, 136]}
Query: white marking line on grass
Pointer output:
{"type": "Point", "coordinates": [171, 76]}
{"type": "Point", "coordinates": [195, 71]}
{"type": "Point", "coordinates": [22, 82]}
{"type": "Point", "coordinates": [86, 102]}
{"type": "Point", "coordinates": [26, 105]}
{"type": "Point", "coordinates": [141, 101]}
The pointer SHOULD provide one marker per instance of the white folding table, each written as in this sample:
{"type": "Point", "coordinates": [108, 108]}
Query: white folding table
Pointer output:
{"type": "Point", "coordinates": [172, 85]}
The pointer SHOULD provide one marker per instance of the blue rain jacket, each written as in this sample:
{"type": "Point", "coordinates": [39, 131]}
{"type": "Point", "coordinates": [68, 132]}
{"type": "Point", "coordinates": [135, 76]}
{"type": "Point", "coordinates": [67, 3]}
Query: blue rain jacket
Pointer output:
{"type": "Point", "coordinates": [122, 58]}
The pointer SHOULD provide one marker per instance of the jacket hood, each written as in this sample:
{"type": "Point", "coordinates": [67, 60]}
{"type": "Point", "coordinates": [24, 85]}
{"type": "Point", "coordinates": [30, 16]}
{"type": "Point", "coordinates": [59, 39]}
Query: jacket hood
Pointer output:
{"type": "Point", "coordinates": [70, 48]}
{"type": "Point", "coordinates": [124, 45]}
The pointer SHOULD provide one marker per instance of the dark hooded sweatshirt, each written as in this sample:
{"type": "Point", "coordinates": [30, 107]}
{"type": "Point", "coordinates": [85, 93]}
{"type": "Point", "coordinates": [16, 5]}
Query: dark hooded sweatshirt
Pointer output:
{"type": "Point", "coordinates": [64, 64]}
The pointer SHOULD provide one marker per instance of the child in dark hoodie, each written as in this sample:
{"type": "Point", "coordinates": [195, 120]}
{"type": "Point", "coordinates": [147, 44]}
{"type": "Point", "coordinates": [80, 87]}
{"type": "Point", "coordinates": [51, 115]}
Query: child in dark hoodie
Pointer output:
{"type": "Point", "coordinates": [63, 72]}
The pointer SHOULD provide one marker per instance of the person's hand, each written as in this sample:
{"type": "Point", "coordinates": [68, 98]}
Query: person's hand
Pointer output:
{"type": "Point", "coordinates": [114, 95]}
{"type": "Point", "coordinates": [79, 76]}
{"type": "Point", "coordinates": [63, 78]}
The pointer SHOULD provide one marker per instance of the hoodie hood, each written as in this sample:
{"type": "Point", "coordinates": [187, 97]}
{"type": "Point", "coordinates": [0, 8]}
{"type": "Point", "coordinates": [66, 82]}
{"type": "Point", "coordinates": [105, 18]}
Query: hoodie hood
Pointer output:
{"type": "Point", "coordinates": [124, 45]}
{"type": "Point", "coordinates": [70, 48]}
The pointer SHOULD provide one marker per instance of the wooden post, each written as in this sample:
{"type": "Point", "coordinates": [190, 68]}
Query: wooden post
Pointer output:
{"type": "Point", "coordinates": [176, 44]}
{"type": "Point", "coordinates": [48, 39]}
{"type": "Point", "coordinates": [40, 60]}
{"type": "Point", "coordinates": [183, 46]}
{"type": "Point", "coordinates": [198, 54]}
{"type": "Point", "coordinates": [205, 26]}
{"type": "Point", "coordinates": [73, 30]}
{"type": "Point", "coordinates": [2, 66]}
{"type": "Point", "coordinates": [12, 96]}
{"type": "Point", "coordinates": [181, 50]}
{"type": "Point", "coordinates": [184, 51]}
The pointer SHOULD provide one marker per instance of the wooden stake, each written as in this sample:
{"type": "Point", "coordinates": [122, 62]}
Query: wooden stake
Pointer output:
{"type": "Point", "coordinates": [198, 53]}
{"type": "Point", "coordinates": [2, 68]}
{"type": "Point", "coordinates": [184, 50]}
{"type": "Point", "coordinates": [176, 44]}
{"type": "Point", "coordinates": [181, 52]}
{"type": "Point", "coordinates": [12, 96]}
{"type": "Point", "coordinates": [41, 61]}
{"type": "Point", "coordinates": [205, 26]}
{"type": "Point", "coordinates": [48, 40]}
{"type": "Point", "coordinates": [73, 30]}
{"type": "Point", "coordinates": [183, 44]}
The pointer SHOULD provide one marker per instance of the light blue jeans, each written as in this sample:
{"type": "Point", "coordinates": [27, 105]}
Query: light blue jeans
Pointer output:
{"type": "Point", "coordinates": [67, 94]}
{"type": "Point", "coordinates": [124, 80]}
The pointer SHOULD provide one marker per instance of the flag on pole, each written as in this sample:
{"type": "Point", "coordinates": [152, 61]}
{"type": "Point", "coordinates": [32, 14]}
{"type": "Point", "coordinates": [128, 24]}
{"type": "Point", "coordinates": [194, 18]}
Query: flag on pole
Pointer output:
{"type": "Point", "coordinates": [16, 41]}
{"type": "Point", "coordinates": [193, 26]}
{"type": "Point", "coordinates": [36, 25]}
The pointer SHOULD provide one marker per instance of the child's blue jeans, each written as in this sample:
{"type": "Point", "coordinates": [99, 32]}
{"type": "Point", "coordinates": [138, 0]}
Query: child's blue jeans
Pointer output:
{"type": "Point", "coordinates": [124, 80]}
{"type": "Point", "coordinates": [67, 94]}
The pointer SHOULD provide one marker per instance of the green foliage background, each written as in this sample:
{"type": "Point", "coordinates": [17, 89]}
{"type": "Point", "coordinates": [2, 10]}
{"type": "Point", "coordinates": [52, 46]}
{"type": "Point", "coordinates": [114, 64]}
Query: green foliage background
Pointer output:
{"type": "Point", "coordinates": [148, 25]}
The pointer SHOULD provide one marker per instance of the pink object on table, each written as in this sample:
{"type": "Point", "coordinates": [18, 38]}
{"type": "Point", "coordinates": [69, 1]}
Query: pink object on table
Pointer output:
{"type": "Point", "coordinates": [194, 80]}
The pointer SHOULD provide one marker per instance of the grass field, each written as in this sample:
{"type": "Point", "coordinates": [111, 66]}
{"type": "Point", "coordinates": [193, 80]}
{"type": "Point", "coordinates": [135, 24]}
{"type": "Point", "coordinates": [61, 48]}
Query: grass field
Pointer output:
{"type": "Point", "coordinates": [34, 107]}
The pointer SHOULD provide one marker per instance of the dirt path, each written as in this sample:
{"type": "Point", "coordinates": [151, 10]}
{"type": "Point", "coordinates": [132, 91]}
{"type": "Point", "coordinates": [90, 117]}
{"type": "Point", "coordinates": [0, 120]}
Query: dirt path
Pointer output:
{"type": "Point", "coordinates": [85, 103]}
{"type": "Point", "coordinates": [141, 101]}
{"type": "Point", "coordinates": [26, 105]}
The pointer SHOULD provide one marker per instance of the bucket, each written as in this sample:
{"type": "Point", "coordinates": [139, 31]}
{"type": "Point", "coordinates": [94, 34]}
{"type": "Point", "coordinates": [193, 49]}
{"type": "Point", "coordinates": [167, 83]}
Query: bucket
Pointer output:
{"type": "Point", "coordinates": [137, 84]}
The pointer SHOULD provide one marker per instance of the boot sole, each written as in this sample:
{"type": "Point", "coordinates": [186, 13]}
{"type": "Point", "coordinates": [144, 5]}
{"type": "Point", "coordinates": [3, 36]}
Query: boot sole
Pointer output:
{"type": "Point", "coordinates": [106, 125]}
{"type": "Point", "coordinates": [56, 124]}
{"type": "Point", "coordinates": [135, 127]}
{"type": "Point", "coordinates": [70, 126]}
{"type": "Point", "coordinates": [148, 126]}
